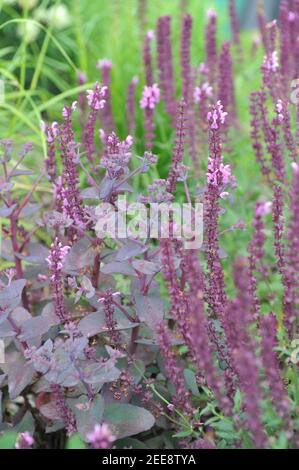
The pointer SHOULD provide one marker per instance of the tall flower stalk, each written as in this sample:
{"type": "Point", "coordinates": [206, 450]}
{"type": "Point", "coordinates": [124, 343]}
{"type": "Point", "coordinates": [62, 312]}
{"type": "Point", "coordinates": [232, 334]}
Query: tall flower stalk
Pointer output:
{"type": "Point", "coordinates": [55, 261]}
{"type": "Point", "coordinates": [150, 99]}
{"type": "Point", "coordinates": [106, 113]}
{"type": "Point", "coordinates": [96, 101]}
{"type": "Point", "coordinates": [165, 64]}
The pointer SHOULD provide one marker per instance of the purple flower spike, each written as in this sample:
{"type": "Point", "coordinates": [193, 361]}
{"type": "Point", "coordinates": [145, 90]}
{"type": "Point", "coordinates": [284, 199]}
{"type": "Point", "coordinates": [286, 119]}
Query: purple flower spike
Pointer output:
{"type": "Point", "coordinates": [211, 45]}
{"type": "Point", "coordinates": [96, 101]}
{"type": "Point", "coordinates": [272, 372]}
{"type": "Point", "coordinates": [130, 105]}
{"type": "Point", "coordinates": [173, 371]}
{"type": "Point", "coordinates": [185, 56]}
{"type": "Point", "coordinates": [165, 65]}
{"type": "Point", "coordinates": [55, 262]}
{"type": "Point", "coordinates": [147, 57]}
{"type": "Point", "coordinates": [51, 133]}
{"type": "Point", "coordinates": [106, 114]}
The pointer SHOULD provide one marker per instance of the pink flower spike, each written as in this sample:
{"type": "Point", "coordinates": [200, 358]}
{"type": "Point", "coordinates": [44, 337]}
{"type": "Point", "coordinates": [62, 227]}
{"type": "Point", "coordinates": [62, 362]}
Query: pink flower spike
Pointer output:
{"type": "Point", "coordinates": [95, 97]}
{"type": "Point", "coordinates": [217, 116]}
{"type": "Point", "coordinates": [291, 16]}
{"type": "Point", "coordinates": [295, 167]}
{"type": "Point", "coordinates": [150, 97]}
{"type": "Point", "coordinates": [263, 208]}
{"type": "Point", "coordinates": [211, 14]}
{"type": "Point", "coordinates": [150, 35]}
{"type": "Point", "coordinates": [101, 437]}
{"type": "Point", "coordinates": [271, 62]}
{"type": "Point", "coordinates": [24, 441]}
{"type": "Point", "coordinates": [203, 69]}
{"type": "Point", "coordinates": [104, 64]}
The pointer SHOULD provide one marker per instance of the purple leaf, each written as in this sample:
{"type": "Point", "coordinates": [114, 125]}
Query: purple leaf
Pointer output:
{"type": "Point", "coordinates": [88, 414]}
{"type": "Point", "coordinates": [10, 297]}
{"type": "Point", "coordinates": [150, 307]}
{"type": "Point", "coordinates": [20, 375]}
{"type": "Point", "coordinates": [29, 210]}
{"type": "Point", "coordinates": [90, 193]}
{"type": "Point", "coordinates": [95, 323]}
{"type": "Point", "coordinates": [128, 420]}
{"type": "Point", "coordinates": [35, 327]}
{"type": "Point", "coordinates": [101, 373]}
{"type": "Point", "coordinates": [130, 250]}
{"type": "Point", "coordinates": [79, 257]}
{"type": "Point", "coordinates": [118, 267]}
{"type": "Point", "coordinates": [146, 267]}
{"type": "Point", "coordinates": [43, 356]}
{"type": "Point", "coordinates": [50, 411]}
{"type": "Point", "coordinates": [7, 211]}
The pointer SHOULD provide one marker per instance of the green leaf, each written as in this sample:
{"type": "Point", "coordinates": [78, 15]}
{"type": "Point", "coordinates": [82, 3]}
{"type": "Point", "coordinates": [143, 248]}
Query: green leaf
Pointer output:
{"type": "Point", "coordinates": [8, 440]}
{"type": "Point", "coordinates": [190, 380]}
{"type": "Point", "coordinates": [183, 434]}
{"type": "Point", "coordinates": [130, 442]}
{"type": "Point", "coordinates": [237, 401]}
{"type": "Point", "coordinates": [75, 442]}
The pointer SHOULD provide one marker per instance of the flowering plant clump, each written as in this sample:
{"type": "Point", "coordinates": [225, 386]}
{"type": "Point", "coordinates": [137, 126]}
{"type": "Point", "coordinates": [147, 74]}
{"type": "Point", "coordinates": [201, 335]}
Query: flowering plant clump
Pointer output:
{"type": "Point", "coordinates": [113, 340]}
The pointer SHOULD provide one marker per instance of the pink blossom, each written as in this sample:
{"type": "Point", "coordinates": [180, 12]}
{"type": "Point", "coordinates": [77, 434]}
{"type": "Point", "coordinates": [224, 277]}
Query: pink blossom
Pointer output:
{"type": "Point", "coordinates": [101, 437]}
{"type": "Point", "coordinates": [217, 115]}
{"type": "Point", "coordinates": [50, 131]}
{"type": "Point", "coordinates": [24, 441]}
{"type": "Point", "coordinates": [67, 111]}
{"type": "Point", "coordinates": [295, 167]}
{"type": "Point", "coordinates": [263, 208]}
{"type": "Point", "coordinates": [211, 13]}
{"type": "Point", "coordinates": [104, 63]}
{"type": "Point", "coordinates": [95, 97]}
{"type": "Point", "coordinates": [203, 68]}
{"type": "Point", "coordinates": [271, 62]}
{"type": "Point", "coordinates": [150, 97]}
{"type": "Point", "coordinates": [221, 175]}
{"type": "Point", "coordinates": [201, 92]}
{"type": "Point", "coordinates": [279, 109]}
{"type": "Point", "coordinates": [150, 34]}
